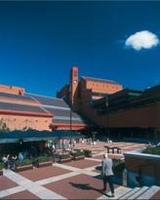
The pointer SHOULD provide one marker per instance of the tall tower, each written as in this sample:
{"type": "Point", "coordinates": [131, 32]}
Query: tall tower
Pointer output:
{"type": "Point", "coordinates": [73, 85]}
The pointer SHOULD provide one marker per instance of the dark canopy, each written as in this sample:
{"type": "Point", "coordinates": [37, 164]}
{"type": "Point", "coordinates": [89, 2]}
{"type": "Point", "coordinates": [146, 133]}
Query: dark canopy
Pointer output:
{"type": "Point", "coordinates": [34, 135]}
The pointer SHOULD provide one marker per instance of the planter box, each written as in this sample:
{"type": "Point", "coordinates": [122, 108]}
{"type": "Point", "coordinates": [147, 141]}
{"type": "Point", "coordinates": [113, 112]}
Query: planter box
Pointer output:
{"type": "Point", "coordinates": [142, 168]}
{"type": "Point", "coordinates": [1, 172]}
{"type": "Point", "coordinates": [78, 157]}
{"type": "Point", "coordinates": [45, 164]}
{"type": "Point", "coordinates": [65, 160]}
{"type": "Point", "coordinates": [24, 167]}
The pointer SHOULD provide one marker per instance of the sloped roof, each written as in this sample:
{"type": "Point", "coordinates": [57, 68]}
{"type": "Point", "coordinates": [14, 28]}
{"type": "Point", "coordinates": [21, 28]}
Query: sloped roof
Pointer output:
{"type": "Point", "coordinates": [9, 104]}
{"type": "Point", "coordinates": [58, 108]}
{"type": "Point", "coordinates": [47, 106]}
{"type": "Point", "coordinates": [45, 100]}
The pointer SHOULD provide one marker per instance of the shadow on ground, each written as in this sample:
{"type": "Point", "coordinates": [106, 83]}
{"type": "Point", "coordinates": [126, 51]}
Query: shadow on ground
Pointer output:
{"type": "Point", "coordinates": [116, 179]}
{"type": "Point", "coordinates": [87, 187]}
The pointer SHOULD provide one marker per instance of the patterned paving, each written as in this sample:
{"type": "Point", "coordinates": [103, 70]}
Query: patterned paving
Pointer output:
{"type": "Point", "coordinates": [82, 163]}
{"type": "Point", "coordinates": [72, 180]}
{"type": "Point", "coordinates": [5, 183]}
{"type": "Point", "coordinates": [78, 187]}
{"type": "Point", "coordinates": [21, 195]}
{"type": "Point", "coordinates": [100, 146]}
{"type": "Point", "coordinates": [43, 173]}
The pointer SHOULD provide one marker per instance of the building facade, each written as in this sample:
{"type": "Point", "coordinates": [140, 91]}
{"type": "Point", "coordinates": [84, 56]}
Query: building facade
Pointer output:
{"type": "Point", "coordinates": [85, 103]}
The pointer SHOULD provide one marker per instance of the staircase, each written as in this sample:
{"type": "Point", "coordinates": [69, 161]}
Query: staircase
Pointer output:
{"type": "Point", "coordinates": [133, 193]}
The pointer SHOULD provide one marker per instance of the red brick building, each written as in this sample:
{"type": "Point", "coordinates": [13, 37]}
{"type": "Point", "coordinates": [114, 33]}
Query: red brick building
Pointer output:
{"type": "Point", "coordinates": [83, 103]}
{"type": "Point", "coordinates": [108, 105]}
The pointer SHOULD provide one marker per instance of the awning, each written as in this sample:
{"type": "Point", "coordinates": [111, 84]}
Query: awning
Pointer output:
{"type": "Point", "coordinates": [34, 135]}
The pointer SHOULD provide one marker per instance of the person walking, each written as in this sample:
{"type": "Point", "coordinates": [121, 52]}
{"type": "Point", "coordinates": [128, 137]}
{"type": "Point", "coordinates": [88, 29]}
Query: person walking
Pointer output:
{"type": "Point", "coordinates": [5, 161]}
{"type": "Point", "coordinates": [20, 158]}
{"type": "Point", "coordinates": [107, 174]}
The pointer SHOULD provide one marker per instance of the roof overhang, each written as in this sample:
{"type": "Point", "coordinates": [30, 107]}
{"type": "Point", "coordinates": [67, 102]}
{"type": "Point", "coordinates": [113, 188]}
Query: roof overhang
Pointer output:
{"type": "Point", "coordinates": [33, 135]}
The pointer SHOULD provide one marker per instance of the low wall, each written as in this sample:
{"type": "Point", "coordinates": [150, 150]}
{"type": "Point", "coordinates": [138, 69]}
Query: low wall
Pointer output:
{"type": "Point", "coordinates": [142, 169]}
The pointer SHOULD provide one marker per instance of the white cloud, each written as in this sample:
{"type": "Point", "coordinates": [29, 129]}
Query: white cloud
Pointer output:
{"type": "Point", "coordinates": [142, 40]}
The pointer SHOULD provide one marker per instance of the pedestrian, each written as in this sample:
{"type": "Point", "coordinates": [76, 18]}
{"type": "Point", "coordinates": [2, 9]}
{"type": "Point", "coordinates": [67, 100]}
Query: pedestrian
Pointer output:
{"type": "Point", "coordinates": [13, 162]}
{"type": "Point", "coordinates": [107, 174]}
{"type": "Point", "coordinates": [20, 157]}
{"type": "Point", "coordinates": [5, 161]}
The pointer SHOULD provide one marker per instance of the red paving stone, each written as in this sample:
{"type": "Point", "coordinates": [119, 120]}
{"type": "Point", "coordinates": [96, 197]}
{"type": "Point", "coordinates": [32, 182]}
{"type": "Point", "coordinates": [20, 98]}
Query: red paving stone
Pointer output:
{"type": "Point", "coordinates": [22, 195]}
{"type": "Point", "coordinates": [156, 196]}
{"type": "Point", "coordinates": [78, 187]}
{"type": "Point", "coordinates": [112, 156]}
{"type": "Point", "coordinates": [82, 163]}
{"type": "Point", "coordinates": [43, 172]}
{"type": "Point", "coordinates": [100, 157]}
{"type": "Point", "coordinates": [6, 183]}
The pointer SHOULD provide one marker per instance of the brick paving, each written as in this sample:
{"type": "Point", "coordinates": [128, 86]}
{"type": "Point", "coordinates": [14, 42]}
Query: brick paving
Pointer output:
{"type": "Point", "coordinates": [43, 173]}
{"type": "Point", "coordinates": [22, 195]}
{"type": "Point", "coordinates": [100, 146]}
{"type": "Point", "coordinates": [78, 187]}
{"type": "Point", "coordinates": [82, 163]}
{"type": "Point", "coordinates": [72, 180]}
{"type": "Point", "coordinates": [6, 183]}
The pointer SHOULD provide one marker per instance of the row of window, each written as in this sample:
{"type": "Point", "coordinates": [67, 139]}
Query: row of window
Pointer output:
{"type": "Point", "coordinates": [103, 85]}
{"type": "Point", "coordinates": [26, 120]}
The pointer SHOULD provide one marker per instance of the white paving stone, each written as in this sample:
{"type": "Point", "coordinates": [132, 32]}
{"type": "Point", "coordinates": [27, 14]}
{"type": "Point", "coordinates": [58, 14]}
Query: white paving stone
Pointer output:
{"type": "Point", "coordinates": [10, 191]}
{"type": "Point", "coordinates": [80, 171]}
{"type": "Point", "coordinates": [57, 178]}
{"type": "Point", "coordinates": [15, 190]}
{"type": "Point", "coordinates": [99, 154]}
{"type": "Point", "coordinates": [93, 159]}
{"type": "Point", "coordinates": [39, 191]}
{"type": "Point", "coordinates": [130, 193]}
{"type": "Point", "coordinates": [118, 193]}
{"type": "Point", "coordinates": [3, 193]}
{"type": "Point", "coordinates": [137, 194]}
{"type": "Point", "coordinates": [149, 193]}
{"type": "Point", "coordinates": [66, 167]}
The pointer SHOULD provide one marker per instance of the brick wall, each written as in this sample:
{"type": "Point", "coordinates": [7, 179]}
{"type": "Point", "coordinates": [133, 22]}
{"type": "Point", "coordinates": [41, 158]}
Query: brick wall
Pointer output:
{"type": "Point", "coordinates": [20, 122]}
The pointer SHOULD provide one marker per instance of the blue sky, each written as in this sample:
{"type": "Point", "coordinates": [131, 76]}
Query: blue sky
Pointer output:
{"type": "Point", "coordinates": [40, 41]}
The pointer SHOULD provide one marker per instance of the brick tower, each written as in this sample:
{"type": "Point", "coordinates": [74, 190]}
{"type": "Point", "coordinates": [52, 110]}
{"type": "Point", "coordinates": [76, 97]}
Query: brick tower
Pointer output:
{"type": "Point", "coordinates": [73, 86]}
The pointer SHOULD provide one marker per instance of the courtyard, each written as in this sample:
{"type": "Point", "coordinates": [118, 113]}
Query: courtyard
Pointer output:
{"type": "Point", "coordinates": [76, 179]}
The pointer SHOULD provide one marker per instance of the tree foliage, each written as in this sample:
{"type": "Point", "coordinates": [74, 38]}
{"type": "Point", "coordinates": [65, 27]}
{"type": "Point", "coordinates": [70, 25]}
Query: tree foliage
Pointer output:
{"type": "Point", "coordinates": [3, 126]}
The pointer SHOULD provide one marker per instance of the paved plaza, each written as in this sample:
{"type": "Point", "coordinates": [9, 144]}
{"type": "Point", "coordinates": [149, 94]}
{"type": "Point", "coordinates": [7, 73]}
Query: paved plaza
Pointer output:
{"type": "Point", "coordinates": [71, 180]}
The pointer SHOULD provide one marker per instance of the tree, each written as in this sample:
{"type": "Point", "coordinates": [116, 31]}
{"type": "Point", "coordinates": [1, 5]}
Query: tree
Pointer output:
{"type": "Point", "coordinates": [3, 126]}
{"type": "Point", "coordinates": [157, 135]}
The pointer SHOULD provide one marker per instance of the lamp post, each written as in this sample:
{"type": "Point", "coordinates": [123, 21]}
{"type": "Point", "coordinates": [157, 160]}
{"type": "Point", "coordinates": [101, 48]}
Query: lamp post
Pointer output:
{"type": "Point", "coordinates": [107, 106]}
{"type": "Point", "coordinates": [70, 119]}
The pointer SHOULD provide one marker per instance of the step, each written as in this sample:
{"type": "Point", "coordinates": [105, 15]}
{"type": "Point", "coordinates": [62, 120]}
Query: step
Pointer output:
{"type": "Point", "coordinates": [118, 193]}
{"type": "Point", "coordinates": [130, 193]}
{"type": "Point", "coordinates": [149, 193]}
{"type": "Point", "coordinates": [140, 192]}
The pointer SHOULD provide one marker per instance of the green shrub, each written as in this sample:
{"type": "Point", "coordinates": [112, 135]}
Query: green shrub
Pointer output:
{"type": "Point", "coordinates": [77, 153]}
{"type": "Point", "coordinates": [87, 153]}
{"type": "Point", "coordinates": [26, 161]}
{"type": "Point", "coordinates": [44, 158]}
{"type": "Point", "coordinates": [64, 156]}
{"type": "Point", "coordinates": [1, 166]}
{"type": "Point", "coordinates": [152, 150]}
